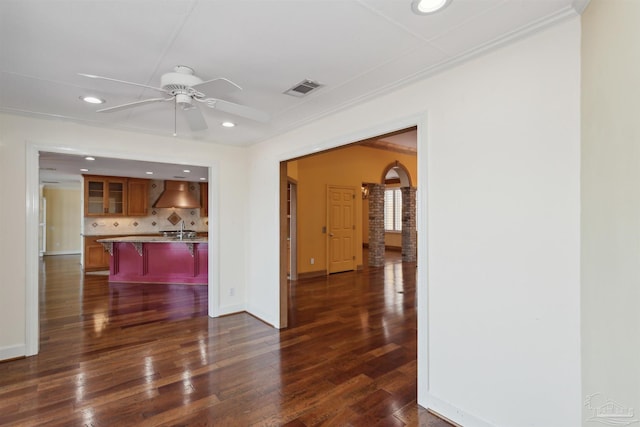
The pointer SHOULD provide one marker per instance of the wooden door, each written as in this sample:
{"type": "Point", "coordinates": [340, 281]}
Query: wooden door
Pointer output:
{"type": "Point", "coordinates": [341, 228]}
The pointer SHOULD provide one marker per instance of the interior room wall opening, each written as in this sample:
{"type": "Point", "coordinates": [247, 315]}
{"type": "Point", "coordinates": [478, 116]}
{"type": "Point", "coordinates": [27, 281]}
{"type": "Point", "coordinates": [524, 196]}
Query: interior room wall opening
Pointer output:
{"type": "Point", "coordinates": [327, 225]}
{"type": "Point", "coordinates": [65, 229]}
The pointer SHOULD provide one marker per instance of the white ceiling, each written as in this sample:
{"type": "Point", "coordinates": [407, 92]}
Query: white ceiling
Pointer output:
{"type": "Point", "coordinates": [64, 170]}
{"type": "Point", "coordinates": [356, 48]}
{"type": "Point", "coordinates": [406, 139]}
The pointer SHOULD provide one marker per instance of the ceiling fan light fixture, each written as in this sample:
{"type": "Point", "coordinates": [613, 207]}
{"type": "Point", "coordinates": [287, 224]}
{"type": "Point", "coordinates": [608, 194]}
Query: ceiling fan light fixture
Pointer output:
{"type": "Point", "coordinates": [92, 99]}
{"type": "Point", "coordinates": [426, 7]}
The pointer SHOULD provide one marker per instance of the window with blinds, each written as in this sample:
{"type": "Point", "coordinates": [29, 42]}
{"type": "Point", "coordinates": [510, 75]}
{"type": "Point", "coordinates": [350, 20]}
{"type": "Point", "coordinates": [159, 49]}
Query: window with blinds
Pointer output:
{"type": "Point", "coordinates": [393, 209]}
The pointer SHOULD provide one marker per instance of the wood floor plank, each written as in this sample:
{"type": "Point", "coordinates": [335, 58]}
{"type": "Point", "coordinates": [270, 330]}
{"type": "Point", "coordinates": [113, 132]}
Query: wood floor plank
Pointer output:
{"type": "Point", "coordinates": [148, 354]}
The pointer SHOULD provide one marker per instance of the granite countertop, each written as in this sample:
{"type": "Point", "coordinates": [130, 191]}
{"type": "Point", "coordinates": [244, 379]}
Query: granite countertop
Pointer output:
{"type": "Point", "coordinates": [152, 239]}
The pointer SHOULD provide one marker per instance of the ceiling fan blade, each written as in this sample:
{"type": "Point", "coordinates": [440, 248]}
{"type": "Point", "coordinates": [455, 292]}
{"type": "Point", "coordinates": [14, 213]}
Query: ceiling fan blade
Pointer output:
{"type": "Point", "coordinates": [93, 76]}
{"type": "Point", "coordinates": [195, 119]}
{"type": "Point", "coordinates": [217, 87]}
{"type": "Point", "coordinates": [132, 104]}
{"type": "Point", "coordinates": [238, 110]}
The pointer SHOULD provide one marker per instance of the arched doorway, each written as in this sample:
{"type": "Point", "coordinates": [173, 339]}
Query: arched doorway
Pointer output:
{"type": "Point", "coordinates": [392, 205]}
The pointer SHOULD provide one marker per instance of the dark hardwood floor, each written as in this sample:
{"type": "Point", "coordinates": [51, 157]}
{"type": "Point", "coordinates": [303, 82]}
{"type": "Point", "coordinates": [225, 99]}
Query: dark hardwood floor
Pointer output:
{"type": "Point", "coordinates": [148, 355]}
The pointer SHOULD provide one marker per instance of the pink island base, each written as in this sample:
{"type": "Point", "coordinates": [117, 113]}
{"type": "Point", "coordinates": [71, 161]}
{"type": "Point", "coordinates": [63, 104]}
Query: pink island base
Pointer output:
{"type": "Point", "coordinates": [157, 260]}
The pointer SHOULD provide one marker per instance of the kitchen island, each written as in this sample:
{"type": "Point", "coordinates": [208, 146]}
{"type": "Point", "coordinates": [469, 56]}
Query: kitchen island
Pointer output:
{"type": "Point", "coordinates": [155, 259]}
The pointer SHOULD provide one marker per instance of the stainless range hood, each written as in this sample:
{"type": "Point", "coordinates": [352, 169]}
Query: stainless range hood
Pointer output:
{"type": "Point", "coordinates": [176, 195]}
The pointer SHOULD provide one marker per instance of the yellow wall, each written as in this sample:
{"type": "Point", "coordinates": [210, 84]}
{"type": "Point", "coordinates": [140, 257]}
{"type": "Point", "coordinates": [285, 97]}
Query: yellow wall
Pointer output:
{"type": "Point", "coordinates": [350, 166]}
{"type": "Point", "coordinates": [63, 220]}
{"type": "Point", "coordinates": [292, 169]}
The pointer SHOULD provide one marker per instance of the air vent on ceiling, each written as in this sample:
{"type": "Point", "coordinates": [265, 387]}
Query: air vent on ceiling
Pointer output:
{"type": "Point", "coordinates": [50, 182]}
{"type": "Point", "coordinates": [48, 169]}
{"type": "Point", "coordinates": [303, 88]}
{"type": "Point", "coordinates": [179, 177]}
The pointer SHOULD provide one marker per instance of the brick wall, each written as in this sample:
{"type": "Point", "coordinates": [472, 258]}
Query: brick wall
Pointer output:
{"type": "Point", "coordinates": [409, 235]}
{"type": "Point", "coordinates": [376, 225]}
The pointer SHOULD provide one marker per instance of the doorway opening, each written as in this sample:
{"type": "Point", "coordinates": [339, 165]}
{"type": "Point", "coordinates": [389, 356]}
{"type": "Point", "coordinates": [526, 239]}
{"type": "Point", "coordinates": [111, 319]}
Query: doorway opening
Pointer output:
{"type": "Point", "coordinates": [392, 221]}
{"type": "Point", "coordinates": [34, 228]}
{"type": "Point", "coordinates": [353, 169]}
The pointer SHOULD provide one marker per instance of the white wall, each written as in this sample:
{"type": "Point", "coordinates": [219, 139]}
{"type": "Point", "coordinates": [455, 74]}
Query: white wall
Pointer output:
{"type": "Point", "coordinates": [611, 205]}
{"type": "Point", "coordinates": [499, 148]}
{"type": "Point", "coordinates": [12, 280]}
{"type": "Point", "coordinates": [17, 134]}
{"type": "Point", "coordinates": [499, 169]}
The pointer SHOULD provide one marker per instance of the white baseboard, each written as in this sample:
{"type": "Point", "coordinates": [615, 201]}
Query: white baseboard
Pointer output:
{"type": "Point", "coordinates": [12, 351]}
{"type": "Point", "coordinates": [451, 413]}
{"type": "Point", "coordinates": [262, 316]}
{"type": "Point", "coordinates": [231, 309]}
{"type": "Point", "coordinates": [241, 308]}
{"type": "Point", "coordinates": [47, 253]}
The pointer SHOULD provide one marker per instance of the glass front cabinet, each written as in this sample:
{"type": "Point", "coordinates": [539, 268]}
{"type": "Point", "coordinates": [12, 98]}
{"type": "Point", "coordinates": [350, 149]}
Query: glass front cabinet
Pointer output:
{"type": "Point", "coordinates": [105, 196]}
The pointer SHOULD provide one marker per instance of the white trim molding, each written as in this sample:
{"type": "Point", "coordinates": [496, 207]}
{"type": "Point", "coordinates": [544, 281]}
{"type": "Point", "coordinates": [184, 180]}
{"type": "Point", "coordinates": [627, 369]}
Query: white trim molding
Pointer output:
{"type": "Point", "coordinates": [12, 351]}
{"type": "Point", "coordinates": [453, 414]}
{"type": "Point", "coordinates": [54, 253]}
{"type": "Point", "coordinates": [32, 255]}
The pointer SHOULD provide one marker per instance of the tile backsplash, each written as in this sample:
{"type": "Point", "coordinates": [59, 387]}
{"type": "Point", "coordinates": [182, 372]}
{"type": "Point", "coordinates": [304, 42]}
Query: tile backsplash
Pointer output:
{"type": "Point", "coordinates": [158, 219]}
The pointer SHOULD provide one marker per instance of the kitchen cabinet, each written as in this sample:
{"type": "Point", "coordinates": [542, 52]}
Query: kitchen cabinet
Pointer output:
{"type": "Point", "coordinates": [105, 196]}
{"type": "Point", "coordinates": [204, 199]}
{"type": "Point", "coordinates": [95, 256]}
{"type": "Point", "coordinates": [137, 197]}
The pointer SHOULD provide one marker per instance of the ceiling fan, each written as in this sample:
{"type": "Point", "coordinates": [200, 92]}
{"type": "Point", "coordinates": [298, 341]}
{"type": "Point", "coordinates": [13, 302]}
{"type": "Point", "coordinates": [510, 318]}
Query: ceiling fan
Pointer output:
{"type": "Point", "coordinates": [187, 90]}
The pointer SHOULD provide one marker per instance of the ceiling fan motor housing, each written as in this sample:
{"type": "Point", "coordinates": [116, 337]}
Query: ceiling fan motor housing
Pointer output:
{"type": "Point", "coordinates": [180, 83]}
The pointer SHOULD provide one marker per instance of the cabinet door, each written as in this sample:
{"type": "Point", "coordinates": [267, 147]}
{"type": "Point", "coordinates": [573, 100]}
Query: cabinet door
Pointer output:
{"type": "Point", "coordinates": [95, 256]}
{"type": "Point", "coordinates": [105, 196]}
{"type": "Point", "coordinates": [94, 195]}
{"type": "Point", "coordinates": [137, 197]}
{"type": "Point", "coordinates": [115, 202]}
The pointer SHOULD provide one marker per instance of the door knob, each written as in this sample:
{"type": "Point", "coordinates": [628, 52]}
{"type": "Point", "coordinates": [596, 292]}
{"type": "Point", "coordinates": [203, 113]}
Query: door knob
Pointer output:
{"type": "Point", "coordinates": [330, 234]}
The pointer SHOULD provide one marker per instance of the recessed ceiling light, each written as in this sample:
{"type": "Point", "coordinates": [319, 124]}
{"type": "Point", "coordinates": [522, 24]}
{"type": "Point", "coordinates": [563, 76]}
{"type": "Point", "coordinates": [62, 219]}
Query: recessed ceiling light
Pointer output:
{"type": "Point", "coordinates": [186, 171]}
{"type": "Point", "coordinates": [84, 170]}
{"type": "Point", "coordinates": [203, 179]}
{"type": "Point", "coordinates": [149, 173]}
{"type": "Point", "coordinates": [92, 99]}
{"type": "Point", "coordinates": [228, 124]}
{"type": "Point", "coordinates": [425, 7]}
{"type": "Point", "coordinates": [89, 158]}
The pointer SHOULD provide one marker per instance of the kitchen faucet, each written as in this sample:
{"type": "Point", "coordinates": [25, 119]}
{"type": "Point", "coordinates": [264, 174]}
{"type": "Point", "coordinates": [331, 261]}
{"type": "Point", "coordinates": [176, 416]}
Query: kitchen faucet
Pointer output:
{"type": "Point", "coordinates": [181, 229]}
